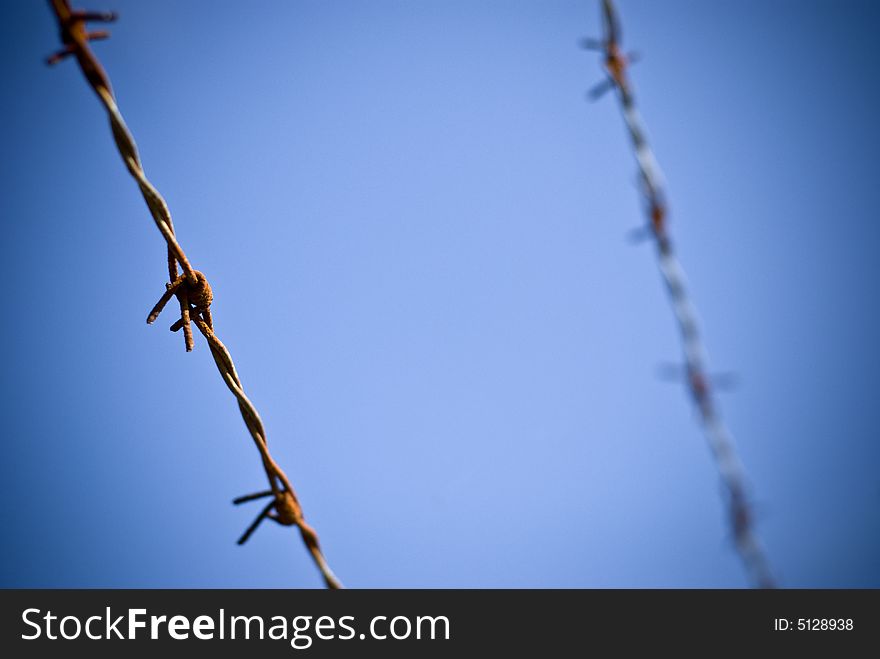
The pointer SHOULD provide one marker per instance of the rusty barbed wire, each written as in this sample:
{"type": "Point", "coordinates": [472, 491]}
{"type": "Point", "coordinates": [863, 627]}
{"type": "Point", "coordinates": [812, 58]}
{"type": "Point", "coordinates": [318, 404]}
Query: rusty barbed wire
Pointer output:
{"type": "Point", "coordinates": [190, 288]}
{"type": "Point", "coordinates": [719, 438]}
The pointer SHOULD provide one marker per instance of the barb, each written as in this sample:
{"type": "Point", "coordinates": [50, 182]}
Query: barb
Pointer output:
{"type": "Point", "coordinates": [191, 288]}
{"type": "Point", "coordinates": [718, 436]}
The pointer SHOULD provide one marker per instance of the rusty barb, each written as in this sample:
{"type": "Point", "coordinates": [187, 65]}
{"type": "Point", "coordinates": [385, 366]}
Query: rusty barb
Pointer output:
{"type": "Point", "coordinates": [719, 438]}
{"type": "Point", "coordinates": [76, 37]}
{"type": "Point", "coordinates": [191, 288]}
{"type": "Point", "coordinates": [616, 62]}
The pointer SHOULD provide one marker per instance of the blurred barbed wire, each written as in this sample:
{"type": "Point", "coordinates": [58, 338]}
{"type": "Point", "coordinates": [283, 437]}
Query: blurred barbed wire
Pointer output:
{"type": "Point", "coordinates": [718, 436]}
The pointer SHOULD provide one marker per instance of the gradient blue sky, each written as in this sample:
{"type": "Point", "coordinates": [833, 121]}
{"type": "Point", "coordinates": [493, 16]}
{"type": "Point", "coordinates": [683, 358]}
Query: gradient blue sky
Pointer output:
{"type": "Point", "coordinates": [415, 226]}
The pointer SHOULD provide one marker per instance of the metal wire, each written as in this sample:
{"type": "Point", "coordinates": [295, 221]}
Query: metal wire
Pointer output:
{"type": "Point", "coordinates": [717, 434]}
{"type": "Point", "coordinates": [75, 38]}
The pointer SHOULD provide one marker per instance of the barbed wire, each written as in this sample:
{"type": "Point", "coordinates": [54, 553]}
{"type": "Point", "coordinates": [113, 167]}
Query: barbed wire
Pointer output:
{"type": "Point", "coordinates": [194, 293]}
{"type": "Point", "coordinates": [190, 288]}
{"type": "Point", "coordinates": [718, 436]}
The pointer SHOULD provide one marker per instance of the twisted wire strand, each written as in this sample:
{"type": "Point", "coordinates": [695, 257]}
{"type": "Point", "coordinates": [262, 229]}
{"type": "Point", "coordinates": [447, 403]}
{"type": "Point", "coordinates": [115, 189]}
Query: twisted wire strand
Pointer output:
{"type": "Point", "coordinates": [75, 40]}
{"type": "Point", "coordinates": [718, 436]}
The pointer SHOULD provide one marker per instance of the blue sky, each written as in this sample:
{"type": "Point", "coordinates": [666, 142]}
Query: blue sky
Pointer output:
{"type": "Point", "coordinates": [416, 226]}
